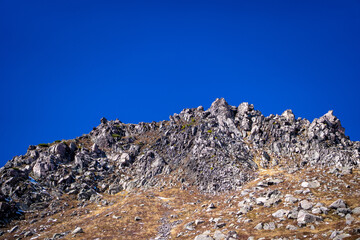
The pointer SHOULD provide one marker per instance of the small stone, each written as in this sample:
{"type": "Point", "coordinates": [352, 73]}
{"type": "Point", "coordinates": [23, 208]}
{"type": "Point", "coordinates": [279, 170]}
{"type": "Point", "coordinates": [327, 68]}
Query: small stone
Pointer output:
{"type": "Point", "coordinates": [57, 235]}
{"type": "Point", "coordinates": [324, 210]}
{"type": "Point", "coordinates": [269, 226]}
{"type": "Point", "coordinates": [343, 211]}
{"type": "Point", "coordinates": [290, 198]}
{"type": "Point", "coordinates": [137, 218]}
{"type": "Point", "coordinates": [280, 213]}
{"type": "Point", "coordinates": [349, 219]}
{"type": "Point", "coordinates": [313, 184]}
{"type": "Point", "coordinates": [220, 225]}
{"type": "Point", "coordinates": [13, 229]}
{"type": "Point", "coordinates": [346, 170]}
{"type": "Point", "coordinates": [306, 191]}
{"type": "Point", "coordinates": [261, 200]}
{"type": "Point", "coordinates": [291, 227]}
{"type": "Point", "coordinates": [28, 234]}
{"type": "Point", "coordinates": [316, 211]}
{"type": "Point", "coordinates": [262, 184]}
{"type": "Point", "coordinates": [305, 184]}
{"type": "Point", "coordinates": [299, 191]}
{"type": "Point", "coordinates": [259, 226]}
{"type": "Point", "coordinates": [232, 235]}
{"type": "Point", "coordinates": [244, 210]}
{"type": "Point", "coordinates": [211, 206]}
{"type": "Point", "coordinates": [199, 221]}
{"type": "Point", "coordinates": [334, 234]}
{"type": "Point", "coordinates": [293, 214]}
{"type": "Point", "coordinates": [190, 226]}
{"type": "Point", "coordinates": [77, 230]}
{"type": "Point", "coordinates": [248, 220]}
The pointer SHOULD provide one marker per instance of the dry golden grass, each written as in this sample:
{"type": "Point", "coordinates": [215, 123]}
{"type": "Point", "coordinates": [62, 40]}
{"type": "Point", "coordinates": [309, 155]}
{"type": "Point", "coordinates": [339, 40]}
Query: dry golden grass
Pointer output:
{"type": "Point", "coordinates": [184, 206]}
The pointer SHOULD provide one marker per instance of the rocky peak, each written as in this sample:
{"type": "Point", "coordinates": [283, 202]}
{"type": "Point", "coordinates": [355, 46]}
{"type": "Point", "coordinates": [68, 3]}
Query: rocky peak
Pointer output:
{"type": "Point", "coordinates": [221, 108]}
{"type": "Point", "coordinates": [332, 121]}
{"type": "Point", "coordinates": [217, 150]}
{"type": "Point", "coordinates": [288, 115]}
{"type": "Point", "coordinates": [244, 108]}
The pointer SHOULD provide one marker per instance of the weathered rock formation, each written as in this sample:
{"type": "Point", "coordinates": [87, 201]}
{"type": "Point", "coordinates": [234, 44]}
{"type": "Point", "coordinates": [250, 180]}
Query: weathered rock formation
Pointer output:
{"type": "Point", "coordinates": [215, 150]}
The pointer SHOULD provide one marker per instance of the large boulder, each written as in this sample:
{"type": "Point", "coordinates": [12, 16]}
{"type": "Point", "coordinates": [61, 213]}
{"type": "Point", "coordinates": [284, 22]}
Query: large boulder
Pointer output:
{"type": "Point", "coordinates": [61, 149]}
{"type": "Point", "coordinates": [151, 164]}
{"type": "Point", "coordinates": [43, 166]}
{"type": "Point", "coordinates": [82, 160]}
{"type": "Point", "coordinates": [305, 217]}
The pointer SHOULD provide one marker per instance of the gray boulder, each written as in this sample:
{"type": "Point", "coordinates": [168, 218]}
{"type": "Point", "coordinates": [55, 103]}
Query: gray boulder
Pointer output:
{"type": "Point", "coordinates": [61, 149]}
{"type": "Point", "coordinates": [203, 237]}
{"type": "Point", "coordinates": [338, 204]}
{"type": "Point", "coordinates": [280, 213]}
{"type": "Point", "coordinates": [43, 166]}
{"type": "Point", "coordinates": [356, 211]}
{"type": "Point", "coordinates": [290, 198]}
{"type": "Point", "coordinates": [305, 204]}
{"type": "Point", "coordinates": [259, 226]}
{"type": "Point", "coordinates": [312, 184]}
{"type": "Point", "coordinates": [218, 235]}
{"type": "Point", "coordinates": [305, 217]}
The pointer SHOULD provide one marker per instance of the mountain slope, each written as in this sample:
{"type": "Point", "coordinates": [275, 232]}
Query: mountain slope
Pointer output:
{"type": "Point", "coordinates": [218, 155]}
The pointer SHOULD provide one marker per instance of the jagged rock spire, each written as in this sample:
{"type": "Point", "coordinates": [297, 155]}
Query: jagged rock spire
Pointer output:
{"type": "Point", "coordinates": [221, 107]}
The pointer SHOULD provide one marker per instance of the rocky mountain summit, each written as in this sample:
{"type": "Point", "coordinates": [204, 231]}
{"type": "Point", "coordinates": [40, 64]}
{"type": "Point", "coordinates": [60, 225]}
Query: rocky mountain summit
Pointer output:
{"type": "Point", "coordinates": [223, 173]}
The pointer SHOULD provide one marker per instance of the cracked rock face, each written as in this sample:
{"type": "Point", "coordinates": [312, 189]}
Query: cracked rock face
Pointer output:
{"type": "Point", "coordinates": [215, 150]}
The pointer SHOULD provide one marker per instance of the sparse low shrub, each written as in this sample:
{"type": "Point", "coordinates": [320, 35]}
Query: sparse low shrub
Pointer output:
{"type": "Point", "coordinates": [209, 131]}
{"type": "Point", "coordinates": [43, 145]}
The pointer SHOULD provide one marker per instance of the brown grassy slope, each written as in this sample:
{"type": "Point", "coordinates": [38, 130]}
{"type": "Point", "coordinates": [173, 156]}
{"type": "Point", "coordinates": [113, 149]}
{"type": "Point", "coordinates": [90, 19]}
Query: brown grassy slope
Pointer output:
{"type": "Point", "coordinates": [176, 208]}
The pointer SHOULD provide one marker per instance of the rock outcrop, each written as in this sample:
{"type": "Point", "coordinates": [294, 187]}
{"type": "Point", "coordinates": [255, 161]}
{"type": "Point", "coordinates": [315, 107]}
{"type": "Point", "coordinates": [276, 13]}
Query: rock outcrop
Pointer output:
{"type": "Point", "coordinates": [216, 150]}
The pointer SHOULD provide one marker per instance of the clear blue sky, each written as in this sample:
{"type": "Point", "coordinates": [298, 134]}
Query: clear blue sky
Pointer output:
{"type": "Point", "coordinates": [65, 64]}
